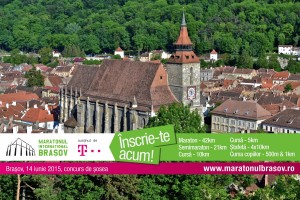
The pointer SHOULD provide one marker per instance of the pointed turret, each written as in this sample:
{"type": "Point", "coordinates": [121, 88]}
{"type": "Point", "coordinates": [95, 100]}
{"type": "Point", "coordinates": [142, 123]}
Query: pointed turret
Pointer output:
{"type": "Point", "coordinates": [183, 46]}
{"type": "Point", "coordinates": [183, 42]}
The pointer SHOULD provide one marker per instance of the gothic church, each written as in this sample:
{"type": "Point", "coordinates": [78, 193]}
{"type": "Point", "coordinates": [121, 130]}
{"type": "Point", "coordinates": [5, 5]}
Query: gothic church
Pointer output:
{"type": "Point", "coordinates": [122, 95]}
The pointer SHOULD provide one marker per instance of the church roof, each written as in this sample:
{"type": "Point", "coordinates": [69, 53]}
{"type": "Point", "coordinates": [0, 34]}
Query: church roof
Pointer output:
{"type": "Point", "coordinates": [117, 81]}
{"type": "Point", "coordinates": [183, 38]}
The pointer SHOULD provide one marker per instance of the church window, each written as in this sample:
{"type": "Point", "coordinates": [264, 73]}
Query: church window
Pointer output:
{"type": "Point", "coordinates": [187, 57]}
{"type": "Point", "coordinates": [160, 77]}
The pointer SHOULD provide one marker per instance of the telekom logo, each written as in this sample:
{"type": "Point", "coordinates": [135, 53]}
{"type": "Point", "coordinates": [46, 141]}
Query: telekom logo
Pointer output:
{"type": "Point", "coordinates": [82, 149]}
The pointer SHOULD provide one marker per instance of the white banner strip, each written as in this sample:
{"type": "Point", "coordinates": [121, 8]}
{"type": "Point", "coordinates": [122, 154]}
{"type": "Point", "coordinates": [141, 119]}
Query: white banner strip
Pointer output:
{"type": "Point", "coordinates": [55, 147]}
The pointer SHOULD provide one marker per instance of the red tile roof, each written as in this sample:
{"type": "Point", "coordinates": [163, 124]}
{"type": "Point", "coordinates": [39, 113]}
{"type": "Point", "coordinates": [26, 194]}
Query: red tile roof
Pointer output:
{"type": "Point", "coordinates": [243, 71]}
{"type": "Point", "coordinates": [228, 69]}
{"type": "Point", "coordinates": [38, 115]}
{"type": "Point", "coordinates": [227, 83]}
{"type": "Point", "coordinates": [54, 89]}
{"type": "Point", "coordinates": [295, 84]}
{"type": "Point", "coordinates": [110, 82]}
{"type": "Point", "coordinates": [213, 52]}
{"type": "Point", "coordinates": [55, 80]}
{"type": "Point", "coordinates": [41, 67]}
{"type": "Point", "coordinates": [155, 61]}
{"type": "Point", "coordinates": [20, 96]}
{"type": "Point", "coordinates": [27, 68]}
{"type": "Point", "coordinates": [184, 57]}
{"type": "Point", "coordinates": [242, 109]}
{"type": "Point", "coordinates": [184, 53]}
{"type": "Point", "coordinates": [119, 49]}
{"type": "Point", "coordinates": [272, 108]}
{"type": "Point", "coordinates": [287, 118]}
{"type": "Point", "coordinates": [14, 111]}
{"type": "Point", "coordinates": [202, 86]}
{"type": "Point", "coordinates": [281, 75]}
{"type": "Point", "coordinates": [79, 59]}
{"type": "Point", "coordinates": [183, 38]}
{"type": "Point", "coordinates": [281, 87]}
{"type": "Point", "coordinates": [267, 83]}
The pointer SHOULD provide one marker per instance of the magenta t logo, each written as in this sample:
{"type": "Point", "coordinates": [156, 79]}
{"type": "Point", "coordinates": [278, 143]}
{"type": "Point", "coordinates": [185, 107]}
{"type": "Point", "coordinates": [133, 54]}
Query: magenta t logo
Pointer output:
{"type": "Point", "coordinates": [82, 148]}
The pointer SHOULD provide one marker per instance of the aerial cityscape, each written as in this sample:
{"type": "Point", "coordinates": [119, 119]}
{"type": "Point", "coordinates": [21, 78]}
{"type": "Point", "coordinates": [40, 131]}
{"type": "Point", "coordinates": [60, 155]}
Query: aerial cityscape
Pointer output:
{"type": "Point", "coordinates": [114, 66]}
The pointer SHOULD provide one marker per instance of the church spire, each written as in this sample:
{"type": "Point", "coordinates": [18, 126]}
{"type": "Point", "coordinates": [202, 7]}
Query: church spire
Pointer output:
{"type": "Point", "coordinates": [183, 23]}
{"type": "Point", "coordinates": [183, 39]}
{"type": "Point", "coordinates": [183, 46]}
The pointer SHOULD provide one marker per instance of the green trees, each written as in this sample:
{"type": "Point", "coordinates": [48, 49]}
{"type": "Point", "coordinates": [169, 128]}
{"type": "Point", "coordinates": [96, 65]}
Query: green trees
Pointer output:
{"type": "Point", "coordinates": [72, 51]}
{"type": "Point", "coordinates": [92, 62]}
{"type": "Point", "coordinates": [88, 187]}
{"type": "Point", "coordinates": [274, 64]}
{"type": "Point", "coordinates": [184, 120]}
{"type": "Point", "coordinates": [280, 189]}
{"type": "Point", "coordinates": [118, 57]}
{"type": "Point", "coordinates": [186, 187]}
{"type": "Point", "coordinates": [90, 43]}
{"type": "Point", "coordinates": [35, 78]}
{"type": "Point", "coordinates": [146, 25]}
{"type": "Point", "coordinates": [293, 67]}
{"type": "Point", "coordinates": [17, 58]}
{"type": "Point", "coordinates": [288, 87]}
{"type": "Point", "coordinates": [45, 55]}
{"type": "Point", "coordinates": [245, 60]}
{"type": "Point", "coordinates": [8, 186]}
{"type": "Point", "coordinates": [262, 62]}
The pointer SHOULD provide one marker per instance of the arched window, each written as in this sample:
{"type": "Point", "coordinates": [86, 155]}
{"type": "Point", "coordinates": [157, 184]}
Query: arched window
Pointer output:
{"type": "Point", "coordinates": [191, 76]}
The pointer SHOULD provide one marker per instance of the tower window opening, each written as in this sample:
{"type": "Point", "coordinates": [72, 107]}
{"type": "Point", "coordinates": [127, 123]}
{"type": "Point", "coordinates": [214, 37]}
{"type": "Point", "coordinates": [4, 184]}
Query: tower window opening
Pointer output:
{"type": "Point", "coordinates": [191, 75]}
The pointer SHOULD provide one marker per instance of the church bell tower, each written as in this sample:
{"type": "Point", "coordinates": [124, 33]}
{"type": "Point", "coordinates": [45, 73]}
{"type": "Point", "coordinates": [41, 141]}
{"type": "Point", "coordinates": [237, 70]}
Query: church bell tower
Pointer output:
{"type": "Point", "coordinates": [183, 69]}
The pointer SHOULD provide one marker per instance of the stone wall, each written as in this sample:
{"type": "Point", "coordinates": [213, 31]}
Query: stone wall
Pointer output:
{"type": "Point", "coordinates": [181, 76]}
{"type": "Point", "coordinates": [95, 117]}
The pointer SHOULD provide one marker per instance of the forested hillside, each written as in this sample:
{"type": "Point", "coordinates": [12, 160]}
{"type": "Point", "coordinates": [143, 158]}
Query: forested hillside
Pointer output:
{"type": "Point", "coordinates": [229, 26]}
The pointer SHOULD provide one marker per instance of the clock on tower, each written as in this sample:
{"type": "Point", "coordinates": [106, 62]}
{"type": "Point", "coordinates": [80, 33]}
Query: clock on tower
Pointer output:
{"type": "Point", "coordinates": [191, 92]}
